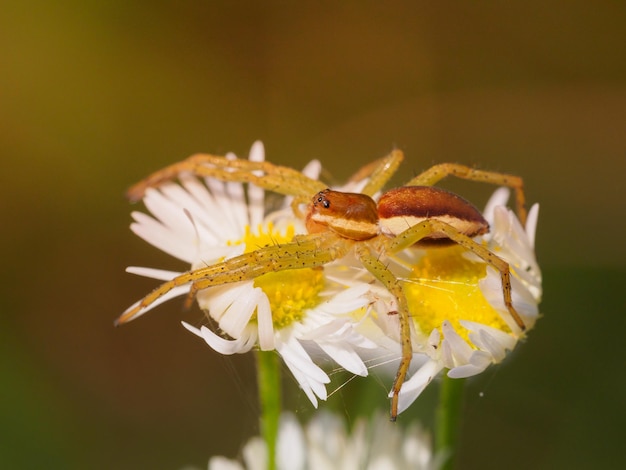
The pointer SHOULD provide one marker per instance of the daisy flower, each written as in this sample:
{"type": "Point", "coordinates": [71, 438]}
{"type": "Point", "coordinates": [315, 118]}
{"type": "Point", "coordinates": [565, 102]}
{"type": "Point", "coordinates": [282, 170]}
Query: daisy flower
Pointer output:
{"type": "Point", "coordinates": [459, 317]}
{"type": "Point", "coordinates": [325, 443]}
{"type": "Point", "coordinates": [202, 222]}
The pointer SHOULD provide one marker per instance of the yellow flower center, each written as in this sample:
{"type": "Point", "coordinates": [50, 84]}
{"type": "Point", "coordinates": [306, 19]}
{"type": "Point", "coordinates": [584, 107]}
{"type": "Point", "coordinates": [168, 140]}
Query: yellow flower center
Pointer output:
{"type": "Point", "coordinates": [443, 285]}
{"type": "Point", "coordinates": [290, 292]}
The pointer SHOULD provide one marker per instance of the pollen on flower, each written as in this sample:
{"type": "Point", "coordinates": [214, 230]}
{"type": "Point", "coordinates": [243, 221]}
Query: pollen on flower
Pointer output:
{"type": "Point", "coordinates": [443, 285]}
{"type": "Point", "coordinates": [290, 292]}
{"type": "Point", "coordinates": [265, 235]}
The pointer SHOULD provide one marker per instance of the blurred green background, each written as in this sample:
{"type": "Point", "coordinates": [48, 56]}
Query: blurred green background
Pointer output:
{"type": "Point", "coordinates": [95, 95]}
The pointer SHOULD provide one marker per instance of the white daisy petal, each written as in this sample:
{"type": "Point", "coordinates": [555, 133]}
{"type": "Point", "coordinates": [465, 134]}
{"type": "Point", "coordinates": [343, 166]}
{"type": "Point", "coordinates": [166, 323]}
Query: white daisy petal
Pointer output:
{"type": "Point", "coordinates": [506, 340]}
{"type": "Point", "coordinates": [486, 341]}
{"type": "Point", "coordinates": [221, 345]}
{"type": "Point", "coordinates": [478, 362]}
{"type": "Point", "coordinates": [523, 301]}
{"type": "Point", "coordinates": [339, 331]}
{"type": "Point", "coordinates": [236, 194]}
{"type": "Point", "coordinates": [219, 299]}
{"type": "Point", "coordinates": [160, 274]}
{"type": "Point", "coordinates": [345, 357]}
{"type": "Point", "coordinates": [162, 238]}
{"type": "Point", "coordinates": [349, 300]}
{"type": "Point", "coordinates": [304, 382]}
{"type": "Point", "coordinates": [531, 223]}
{"type": "Point", "coordinates": [231, 230]}
{"type": "Point", "coordinates": [459, 349]}
{"type": "Point", "coordinates": [292, 351]}
{"type": "Point", "coordinates": [413, 387]}
{"type": "Point", "coordinates": [238, 315]}
{"type": "Point", "coordinates": [499, 198]}
{"type": "Point", "coordinates": [312, 169]}
{"type": "Point", "coordinates": [214, 232]}
{"type": "Point", "coordinates": [266, 325]}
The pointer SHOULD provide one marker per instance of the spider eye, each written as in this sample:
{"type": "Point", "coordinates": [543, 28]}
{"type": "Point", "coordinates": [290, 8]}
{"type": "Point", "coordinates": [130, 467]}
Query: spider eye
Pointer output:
{"type": "Point", "coordinates": [321, 199]}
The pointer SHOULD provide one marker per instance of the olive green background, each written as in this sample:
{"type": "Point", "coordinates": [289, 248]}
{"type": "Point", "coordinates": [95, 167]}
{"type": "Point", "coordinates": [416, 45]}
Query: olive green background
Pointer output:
{"type": "Point", "coordinates": [95, 95]}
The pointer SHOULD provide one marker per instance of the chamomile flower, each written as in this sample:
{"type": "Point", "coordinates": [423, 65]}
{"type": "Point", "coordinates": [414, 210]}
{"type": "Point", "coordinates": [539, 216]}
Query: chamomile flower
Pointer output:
{"type": "Point", "coordinates": [455, 299]}
{"type": "Point", "coordinates": [206, 222]}
{"type": "Point", "coordinates": [325, 443]}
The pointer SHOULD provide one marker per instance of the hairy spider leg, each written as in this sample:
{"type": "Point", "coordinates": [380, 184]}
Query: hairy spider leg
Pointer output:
{"type": "Point", "coordinates": [277, 178]}
{"type": "Point", "coordinates": [437, 172]}
{"type": "Point", "coordinates": [379, 172]}
{"type": "Point", "coordinates": [429, 226]}
{"type": "Point", "coordinates": [380, 271]}
{"type": "Point", "coordinates": [308, 251]}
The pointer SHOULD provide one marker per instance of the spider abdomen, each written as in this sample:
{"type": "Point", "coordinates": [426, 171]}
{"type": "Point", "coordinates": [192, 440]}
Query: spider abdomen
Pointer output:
{"type": "Point", "coordinates": [401, 208]}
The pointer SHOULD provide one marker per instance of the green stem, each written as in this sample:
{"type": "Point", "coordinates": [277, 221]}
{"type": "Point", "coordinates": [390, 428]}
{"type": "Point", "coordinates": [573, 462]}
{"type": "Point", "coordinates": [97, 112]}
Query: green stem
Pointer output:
{"type": "Point", "coordinates": [448, 419]}
{"type": "Point", "coordinates": [269, 381]}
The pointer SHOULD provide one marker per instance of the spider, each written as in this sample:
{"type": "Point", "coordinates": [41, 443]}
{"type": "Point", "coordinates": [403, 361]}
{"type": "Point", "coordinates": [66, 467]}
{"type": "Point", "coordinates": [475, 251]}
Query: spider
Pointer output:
{"type": "Point", "coordinates": [417, 214]}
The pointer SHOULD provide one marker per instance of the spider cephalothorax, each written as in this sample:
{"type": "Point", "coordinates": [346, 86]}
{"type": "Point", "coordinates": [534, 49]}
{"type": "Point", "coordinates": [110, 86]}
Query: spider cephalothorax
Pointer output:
{"type": "Point", "coordinates": [357, 217]}
{"type": "Point", "coordinates": [339, 223]}
{"type": "Point", "coordinates": [349, 215]}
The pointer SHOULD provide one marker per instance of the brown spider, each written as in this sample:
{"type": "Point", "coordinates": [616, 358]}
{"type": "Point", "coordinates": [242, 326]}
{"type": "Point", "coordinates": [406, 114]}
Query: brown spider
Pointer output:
{"type": "Point", "coordinates": [339, 223]}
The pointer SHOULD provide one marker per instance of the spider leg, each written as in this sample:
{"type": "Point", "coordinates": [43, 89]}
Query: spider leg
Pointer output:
{"type": "Point", "coordinates": [303, 252]}
{"type": "Point", "coordinates": [379, 172]}
{"type": "Point", "coordinates": [264, 174]}
{"type": "Point", "coordinates": [437, 172]}
{"type": "Point", "coordinates": [434, 226]}
{"type": "Point", "coordinates": [373, 264]}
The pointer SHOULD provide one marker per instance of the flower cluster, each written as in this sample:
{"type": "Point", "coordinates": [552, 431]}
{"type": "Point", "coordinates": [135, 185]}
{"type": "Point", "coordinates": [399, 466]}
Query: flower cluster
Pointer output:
{"type": "Point", "coordinates": [325, 443]}
{"type": "Point", "coordinates": [339, 312]}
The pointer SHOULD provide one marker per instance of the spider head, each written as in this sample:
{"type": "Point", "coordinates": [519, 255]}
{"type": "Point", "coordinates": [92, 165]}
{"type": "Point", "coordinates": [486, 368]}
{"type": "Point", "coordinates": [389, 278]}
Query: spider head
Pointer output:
{"type": "Point", "coordinates": [350, 215]}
